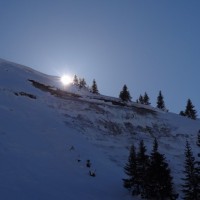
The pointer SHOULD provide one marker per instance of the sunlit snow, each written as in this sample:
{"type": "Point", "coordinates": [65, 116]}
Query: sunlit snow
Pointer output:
{"type": "Point", "coordinates": [45, 142]}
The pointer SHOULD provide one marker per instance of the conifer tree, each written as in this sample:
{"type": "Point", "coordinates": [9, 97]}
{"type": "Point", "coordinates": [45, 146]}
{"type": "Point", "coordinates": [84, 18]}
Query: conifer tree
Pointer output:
{"type": "Point", "coordinates": [146, 99]}
{"type": "Point", "coordinates": [191, 182]}
{"type": "Point", "coordinates": [158, 179]}
{"type": "Point", "coordinates": [124, 94]}
{"type": "Point", "coordinates": [142, 164]}
{"type": "Point", "coordinates": [190, 112]}
{"type": "Point", "coordinates": [160, 101]}
{"type": "Point", "coordinates": [131, 170]}
{"type": "Point", "coordinates": [141, 99]}
{"type": "Point", "coordinates": [94, 87]}
{"type": "Point", "coordinates": [75, 81]}
{"type": "Point", "coordinates": [82, 83]}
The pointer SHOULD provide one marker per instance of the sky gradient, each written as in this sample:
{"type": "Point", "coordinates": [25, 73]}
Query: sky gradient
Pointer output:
{"type": "Point", "coordinates": [148, 45]}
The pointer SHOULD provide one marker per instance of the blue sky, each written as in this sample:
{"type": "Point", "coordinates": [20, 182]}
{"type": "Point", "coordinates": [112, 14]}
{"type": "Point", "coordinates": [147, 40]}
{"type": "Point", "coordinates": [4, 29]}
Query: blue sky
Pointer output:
{"type": "Point", "coordinates": [148, 45]}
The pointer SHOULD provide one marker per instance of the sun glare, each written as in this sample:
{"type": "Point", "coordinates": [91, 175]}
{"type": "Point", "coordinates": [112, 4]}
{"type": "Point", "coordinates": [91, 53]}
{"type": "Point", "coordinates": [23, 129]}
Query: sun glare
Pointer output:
{"type": "Point", "coordinates": [66, 79]}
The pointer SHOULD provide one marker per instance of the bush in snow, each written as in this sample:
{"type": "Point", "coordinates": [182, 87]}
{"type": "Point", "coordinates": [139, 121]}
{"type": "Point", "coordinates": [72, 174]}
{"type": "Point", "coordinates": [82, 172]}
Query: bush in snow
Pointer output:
{"type": "Point", "coordinates": [88, 163]}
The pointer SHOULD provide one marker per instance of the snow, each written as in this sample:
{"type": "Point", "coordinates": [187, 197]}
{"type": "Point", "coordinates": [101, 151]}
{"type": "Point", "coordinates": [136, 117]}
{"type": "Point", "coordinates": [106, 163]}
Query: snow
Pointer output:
{"type": "Point", "coordinates": [46, 142]}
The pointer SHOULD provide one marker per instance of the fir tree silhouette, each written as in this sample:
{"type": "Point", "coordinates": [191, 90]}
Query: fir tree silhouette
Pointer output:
{"type": "Point", "coordinates": [158, 179]}
{"type": "Point", "coordinates": [124, 94]}
{"type": "Point", "coordinates": [191, 182]}
{"type": "Point", "coordinates": [190, 112]}
{"type": "Point", "coordinates": [94, 87]}
{"type": "Point", "coordinates": [160, 101]}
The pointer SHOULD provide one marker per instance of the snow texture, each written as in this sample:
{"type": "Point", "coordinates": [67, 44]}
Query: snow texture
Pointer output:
{"type": "Point", "coordinates": [48, 136]}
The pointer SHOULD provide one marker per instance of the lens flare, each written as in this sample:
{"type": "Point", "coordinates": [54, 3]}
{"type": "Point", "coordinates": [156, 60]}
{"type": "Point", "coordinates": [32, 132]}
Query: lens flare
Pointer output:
{"type": "Point", "coordinates": [66, 79]}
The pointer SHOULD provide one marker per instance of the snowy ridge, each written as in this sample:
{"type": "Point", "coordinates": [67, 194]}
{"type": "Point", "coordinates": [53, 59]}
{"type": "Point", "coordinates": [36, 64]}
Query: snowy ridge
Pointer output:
{"type": "Point", "coordinates": [48, 134]}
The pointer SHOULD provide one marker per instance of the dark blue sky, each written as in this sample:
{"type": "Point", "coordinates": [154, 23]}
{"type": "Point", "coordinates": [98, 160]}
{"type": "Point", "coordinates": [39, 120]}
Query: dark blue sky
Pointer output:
{"type": "Point", "coordinates": [148, 45]}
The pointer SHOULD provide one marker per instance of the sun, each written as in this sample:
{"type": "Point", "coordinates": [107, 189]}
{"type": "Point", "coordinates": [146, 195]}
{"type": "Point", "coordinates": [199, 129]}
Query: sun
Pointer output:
{"type": "Point", "coordinates": [66, 79]}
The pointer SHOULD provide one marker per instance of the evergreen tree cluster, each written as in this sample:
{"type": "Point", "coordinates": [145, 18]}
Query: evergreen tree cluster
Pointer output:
{"type": "Point", "coordinates": [143, 99]}
{"type": "Point", "coordinates": [148, 176]}
{"type": "Point", "coordinates": [189, 112]}
{"type": "Point", "coordinates": [81, 83]}
{"type": "Point", "coordinates": [125, 96]}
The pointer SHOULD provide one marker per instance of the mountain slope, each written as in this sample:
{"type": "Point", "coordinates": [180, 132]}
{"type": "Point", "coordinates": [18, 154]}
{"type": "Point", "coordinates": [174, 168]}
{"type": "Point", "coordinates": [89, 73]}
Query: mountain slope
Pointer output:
{"type": "Point", "coordinates": [48, 132]}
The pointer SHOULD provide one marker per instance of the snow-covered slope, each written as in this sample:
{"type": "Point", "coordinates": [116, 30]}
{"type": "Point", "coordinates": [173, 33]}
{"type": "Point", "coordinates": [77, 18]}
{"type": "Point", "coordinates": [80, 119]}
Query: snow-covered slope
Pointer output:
{"type": "Point", "coordinates": [47, 136]}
